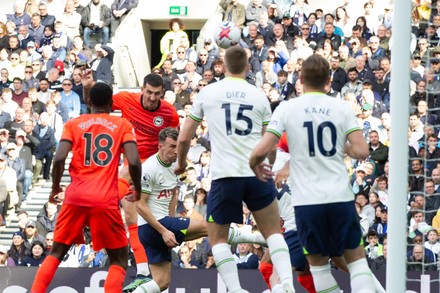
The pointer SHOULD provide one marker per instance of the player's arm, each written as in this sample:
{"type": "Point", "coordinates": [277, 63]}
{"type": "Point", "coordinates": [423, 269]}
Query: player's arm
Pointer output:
{"type": "Point", "coordinates": [282, 175]}
{"type": "Point", "coordinates": [173, 203]}
{"type": "Point", "coordinates": [58, 168]}
{"type": "Point", "coordinates": [145, 212]}
{"type": "Point", "coordinates": [183, 144]}
{"type": "Point", "coordinates": [87, 82]}
{"type": "Point", "coordinates": [134, 166]}
{"type": "Point", "coordinates": [357, 148]}
{"type": "Point", "coordinates": [273, 153]}
{"type": "Point", "coordinates": [261, 151]}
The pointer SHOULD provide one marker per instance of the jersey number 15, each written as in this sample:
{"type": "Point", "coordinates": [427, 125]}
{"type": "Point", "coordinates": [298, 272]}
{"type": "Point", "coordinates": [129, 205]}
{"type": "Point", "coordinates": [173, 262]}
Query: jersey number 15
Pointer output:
{"type": "Point", "coordinates": [240, 117]}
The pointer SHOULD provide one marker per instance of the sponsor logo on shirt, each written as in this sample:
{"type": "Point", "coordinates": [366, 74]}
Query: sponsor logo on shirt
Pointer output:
{"type": "Point", "coordinates": [158, 121]}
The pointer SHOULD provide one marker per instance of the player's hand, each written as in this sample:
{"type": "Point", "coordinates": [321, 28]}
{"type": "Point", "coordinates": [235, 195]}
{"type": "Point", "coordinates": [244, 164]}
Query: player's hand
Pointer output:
{"type": "Point", "coordinates": [53, 197]}
{"type": "Point", "coordinates": [170, 239]}
{"type": "Point", "coordinates": [180, 168]}
{"type": "Point", "coordinates": [263, 171]}
{"type": "Point", "coordinates": [87, 78]}
{"type": "Point", "coordinates": [132, 195]}
{"type": "Point", "coordinates": [282, 175]}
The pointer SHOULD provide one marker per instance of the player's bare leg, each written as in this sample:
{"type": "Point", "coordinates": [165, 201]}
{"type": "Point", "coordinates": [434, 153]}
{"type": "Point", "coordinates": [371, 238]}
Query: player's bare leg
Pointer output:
{"type": "Point", "coordinates": [268, 220]}
{"type": "Point", "coordinates": [130, 214]}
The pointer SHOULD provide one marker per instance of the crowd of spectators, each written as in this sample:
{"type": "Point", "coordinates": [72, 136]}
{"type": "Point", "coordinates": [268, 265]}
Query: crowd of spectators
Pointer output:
{"type": "Point", "coordinates": [43, 55]}
{"type": "Point", "coordinates": [357, 41]}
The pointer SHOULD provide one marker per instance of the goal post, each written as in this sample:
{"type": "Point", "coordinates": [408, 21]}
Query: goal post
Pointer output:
{"type": "Point", "coordinates": [399, 109]}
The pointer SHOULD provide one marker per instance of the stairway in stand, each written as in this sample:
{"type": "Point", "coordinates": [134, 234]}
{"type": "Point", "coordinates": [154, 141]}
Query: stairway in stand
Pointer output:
{"type": "Point", "coordinates": [37, 197]}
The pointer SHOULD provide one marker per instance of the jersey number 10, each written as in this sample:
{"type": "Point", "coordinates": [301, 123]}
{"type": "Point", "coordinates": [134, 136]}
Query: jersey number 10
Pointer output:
{"type": "Point", "coordinates": [319, 135]}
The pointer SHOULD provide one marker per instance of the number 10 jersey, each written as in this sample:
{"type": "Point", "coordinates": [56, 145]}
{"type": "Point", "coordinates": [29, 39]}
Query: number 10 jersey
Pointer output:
{"type": "Point", "coordinates": [317, 127]}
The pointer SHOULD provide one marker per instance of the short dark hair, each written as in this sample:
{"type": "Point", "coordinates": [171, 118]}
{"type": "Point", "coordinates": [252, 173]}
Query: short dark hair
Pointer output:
{"type": "Point", "coordinates": [315, 72]}
{"type": "Point", "coordinates": [153, 80]}
{"type": "Point", "coordinates": [236, 60]}
{"type": "Point", "coordinates": [352, 69]}
{"type": "Point", "coordinates": [101, 94]}
{"type": "Point", "coordinates": [168, 132]}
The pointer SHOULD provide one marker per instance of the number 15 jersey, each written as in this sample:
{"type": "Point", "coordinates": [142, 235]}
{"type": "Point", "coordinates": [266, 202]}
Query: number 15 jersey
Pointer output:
{"type": "Point", "coordinates": [236, 113]}
{"type": "Point", "coordinates": [97, 143]}
{"type": "Point", "coordinates": [317, 127]}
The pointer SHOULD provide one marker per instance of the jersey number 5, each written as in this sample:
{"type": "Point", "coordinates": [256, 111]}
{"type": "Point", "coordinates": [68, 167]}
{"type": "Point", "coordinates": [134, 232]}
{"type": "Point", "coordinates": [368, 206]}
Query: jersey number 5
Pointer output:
{"type": "Point", "coordinates": [240, 116]}
{"type": "Point", "coordinates": [98, 149]}
{"type": "Point", "coordinates": [319, 135]}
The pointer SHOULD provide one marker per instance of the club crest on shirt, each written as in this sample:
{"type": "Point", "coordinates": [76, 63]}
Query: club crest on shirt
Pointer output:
{"type": "Point", "coordinates": [158, 121]}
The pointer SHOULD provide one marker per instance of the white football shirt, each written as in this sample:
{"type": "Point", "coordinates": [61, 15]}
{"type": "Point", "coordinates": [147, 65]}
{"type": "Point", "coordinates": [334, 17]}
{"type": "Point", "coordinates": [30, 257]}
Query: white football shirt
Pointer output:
{"type": "Point", "coordinates": [159, 181]}
{"type": "Point", "coordinates": [317, 127]}
{"type": "Point", "coordinates": [236, 113]}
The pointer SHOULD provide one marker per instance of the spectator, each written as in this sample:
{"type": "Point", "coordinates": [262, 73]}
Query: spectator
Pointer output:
{"type": "Point", "coordinates": [95, 22]}
{"type": "Point", "coordinates": [338, 75]}
{"type": "Point", "coordinates": [254, 10]}
{"type": "Point", "coordinates": [10, 177]}
{"type": "Point", "coordinates": [61, 109]}
{"type": "Point", "coordinates": [190, 78]}
{"type": "Point", "coordinates": [19, 17]}
{"type": "Point", "coordinates": [32, 234]}
{"type": "Point", "coordinates": [17, 251]}
{"type": "Point", "coordinates": [366, 209]}
{"type": "Point", "coordinates": [47, 218]}
{"type": "Point", "coordinates": [244, 258]}
{"type": "Point", "coordinates": [25, 153]}
{"type": "Point", "coordinates": [172, 39]}
{"type": "Point", "coordinates": [44, 151]}
{"type": "Point", "coordinates": [120, 9]}
{"type": "Point", "coordinates": [354, 85]}
{"type": "Point", "coordinates": [46, 19]}
{"type": "Point", "coordinates": [418, 260]}
{"type": "Point", "coordinates": [70, 99]}
{"type": "Point", "coordinates": [53, 76]}
{"type": "Point", "coordinates": [432, 243]}
{"type": "Point", "coordinates": [49, 242]}
{"type": "Point", "coordinates": [373, 249]}
{"type": "Point", "coordinates": [190, 212]}
{"type": "Point", "coordinates": [234, 11]}
{"type": "Point", "coordinates": [203, 63]}
{"type": "Point", "coordinates": [381, 227]}
{"type": "Point", "coordinates": [102, 64]}
{"type": "Point", "coordinates": [184, 261]}
{"type": "Point", "coordinates": [17, 123]}
{"type": "Point", "coordinates": [16, 70]}
{"type": "Point", "coordinates": [58, 51]}
{"type": "Point", "coordinates": [380, 263]}
{"type": "Point", "coordinates": [44, 94]}
{"type": "Point", "coordinates": [80, 50]}
{"type": "Point", "coordinates": [36, 29]}
{"type": "Point", "coordinates": [329, 34]}
{"type": "Point", "coordinates": [16, 163]}
{"type": "Point", "coordinates": [36, 256]}
{"type": "Point", "coordinates": [201, 198]}
{"type": "Point", "coordinates": [4, 116]}
{"type": "Point", "coordinates": [284, 88]}
{"type": "Point", "coordinates": [71, 20]}
{"type": "Point", "coordinates": [5, 260]}
{"type": "Point", "coordinates": [18, 94]}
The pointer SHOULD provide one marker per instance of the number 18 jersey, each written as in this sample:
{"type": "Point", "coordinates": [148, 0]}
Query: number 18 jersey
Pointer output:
{"type": "Point", "coordinates": [236, 113]}
{"type": "Point", "coordinates": [97, 142]}
{"type": "Point", "coordinates": [317, 127]}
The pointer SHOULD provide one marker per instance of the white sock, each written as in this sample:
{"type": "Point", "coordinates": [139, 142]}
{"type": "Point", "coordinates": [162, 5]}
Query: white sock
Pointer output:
{"type": "Point", "coordinates": [143, 269]}
{"type": "Point", "coordinates": [361, 277]}
{"type": "Point", "coordinates": [226, 266]}
{"type": "Point", "coordinates": [278, 288]}
{"type": "Point", "coordinates": [279, 253]}
{"type": "Point", "coordinates": [242, 235]}
{"type": "Point", "coordinates": [149, 287]}
{"type": "Point", "coordinates": [323, 279]}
